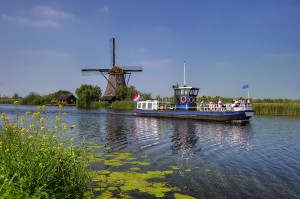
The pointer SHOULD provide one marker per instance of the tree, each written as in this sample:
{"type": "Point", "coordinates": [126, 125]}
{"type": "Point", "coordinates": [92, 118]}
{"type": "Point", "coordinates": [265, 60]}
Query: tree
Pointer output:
{"type": "Point", "coordinates": [146, 96]}
{"type": "Point", "coordinates": [87, 94]}
{"type": "Point", "coordinates": [125, 93]}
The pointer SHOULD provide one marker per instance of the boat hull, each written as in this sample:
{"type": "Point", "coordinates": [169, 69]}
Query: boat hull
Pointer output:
{"type": "Point", "coordinates": [236, 116]}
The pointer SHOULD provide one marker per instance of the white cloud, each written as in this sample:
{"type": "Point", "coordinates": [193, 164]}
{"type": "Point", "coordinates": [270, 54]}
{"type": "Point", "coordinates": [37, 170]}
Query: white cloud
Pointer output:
{"type": "Point", "coordinates": [154, 63]}
{"type": "Point", "coordinates": [48, 12]}
{"type": "Point", "coordinates": [104, 9]}
{"type": "Point", "coordinates": [43, 23]}
{"type": "Point", "coordinates": [43, 17]}
{"type": "Point", "coordinates": [46, 53]}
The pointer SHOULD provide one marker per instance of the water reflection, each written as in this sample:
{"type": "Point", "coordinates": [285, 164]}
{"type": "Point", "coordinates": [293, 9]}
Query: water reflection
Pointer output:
{"type": "Point", "coordinates": [234, 135]}
{"type": "Point", "coordinates": [147, 131]}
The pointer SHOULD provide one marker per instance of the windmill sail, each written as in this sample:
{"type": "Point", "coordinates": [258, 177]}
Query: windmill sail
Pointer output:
{"type": "Point", "coordinates": [116, 78]}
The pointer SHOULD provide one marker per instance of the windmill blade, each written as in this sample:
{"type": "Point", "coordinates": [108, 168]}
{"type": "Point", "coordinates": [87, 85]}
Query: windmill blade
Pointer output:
{"type": "Point", "coordinates": [87, 72]}
{"type": "Point", "coordinates": [132, 68]}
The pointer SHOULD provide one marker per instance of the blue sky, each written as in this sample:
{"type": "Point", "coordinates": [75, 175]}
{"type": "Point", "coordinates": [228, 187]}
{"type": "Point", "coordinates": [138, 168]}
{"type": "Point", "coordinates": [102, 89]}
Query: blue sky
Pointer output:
{"type": "Point", "coordinates": [225, 44]}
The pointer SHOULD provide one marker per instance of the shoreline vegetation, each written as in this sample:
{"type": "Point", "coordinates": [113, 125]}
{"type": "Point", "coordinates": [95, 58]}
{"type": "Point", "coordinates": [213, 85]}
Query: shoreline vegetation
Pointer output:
{"type": "Point", "coordinates": [279, 107]}
{"type": "Point", "coordinates": [39, 158]}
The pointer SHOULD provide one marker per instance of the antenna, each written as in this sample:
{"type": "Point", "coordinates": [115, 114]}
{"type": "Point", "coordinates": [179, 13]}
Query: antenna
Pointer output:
{"type": "Point", "coordinates": [184, 82]}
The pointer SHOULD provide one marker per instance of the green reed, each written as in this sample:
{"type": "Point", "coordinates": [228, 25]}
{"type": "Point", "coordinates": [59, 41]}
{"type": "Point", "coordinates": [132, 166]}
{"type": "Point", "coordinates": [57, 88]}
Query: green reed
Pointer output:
{"type": "Point", "coordinates": [286, 109]}
{"type": "Point", "coordinates": [37, 160]}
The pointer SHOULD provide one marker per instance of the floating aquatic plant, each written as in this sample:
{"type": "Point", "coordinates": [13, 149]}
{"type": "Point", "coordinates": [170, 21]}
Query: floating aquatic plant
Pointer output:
{"type": "Point", "coordinates": [119, 184]}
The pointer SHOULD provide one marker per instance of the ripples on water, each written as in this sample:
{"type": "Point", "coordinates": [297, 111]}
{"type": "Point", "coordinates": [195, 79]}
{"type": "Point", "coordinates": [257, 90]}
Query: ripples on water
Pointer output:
{"type": "Point", "coordinates": [257, 160]}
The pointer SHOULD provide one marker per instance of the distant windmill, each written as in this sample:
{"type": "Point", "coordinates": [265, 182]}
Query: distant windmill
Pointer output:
{"type": "Point", "coordinates": [117, 76]}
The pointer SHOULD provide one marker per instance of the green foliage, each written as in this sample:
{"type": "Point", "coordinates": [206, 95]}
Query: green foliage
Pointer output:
{"type": "Point", "coordinates": [146, 96]}
{"type": "Point", "coordinates": [32, 98]}
{"type": "Point", "coordinates": [38, 161]}
{"type": "Point", "coordinates": [99, 104]}
{"type": "Point", "coordinates": [124, 104]}
{"type": "Point", "coordinates": [125, 93]}
{"type": "Point", "coordinates": [287, 109]}
{"type": "Point", "coordinates": [87, 94]}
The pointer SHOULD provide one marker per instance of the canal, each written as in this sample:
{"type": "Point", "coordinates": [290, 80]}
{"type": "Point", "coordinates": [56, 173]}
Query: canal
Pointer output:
{"type": "Point", "coordinates": [212, 159]}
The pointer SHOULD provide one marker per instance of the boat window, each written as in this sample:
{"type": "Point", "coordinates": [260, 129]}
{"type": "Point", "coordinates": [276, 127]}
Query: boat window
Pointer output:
{"type": "Point", "coordinates": [144, 105]}
{"type": "Point", "coordinates": [194, 92]}
{"type": "Point", "coordinates": [149, 105]}
{"type": "Point", "coordinates": [139, 105]}
{"type": "Point", "coordinates": [177, 92]}
{"type": "Point", "coordinates": [184, 91]}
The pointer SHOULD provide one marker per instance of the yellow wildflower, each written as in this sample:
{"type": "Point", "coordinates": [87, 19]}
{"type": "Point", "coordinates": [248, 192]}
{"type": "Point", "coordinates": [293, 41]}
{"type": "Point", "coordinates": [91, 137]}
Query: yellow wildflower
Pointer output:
{"type": "Point", "coordinates": [64, 114]}
{"type": "Point", "coordinates": [71, 140]}
{"type": "Point", "coordinates": [54, 136]}
{"type": "Point", "coordinates": [60, 107]}
{"type": "Point", "coordinates": [16, 102]}
{"type": "Point", "coordinates": [57, 118]}
{"type": "Point", "coordinates": [42, 128]}
{"type": "Point", "coordinates": [27, 113]}
{"type": "Point", "coordinates": [30, 137]}
{"type": "Point", "coordinates": [73, 126]}
{"type": "Point", "coordinates": [41, 165]}
{"type": "Point", "coordinates": [22, 118]}
{"type": "Point", "coordinates": [44, 137]}
{"type": "Point", "coordinates": [31, 126]}
{"type": "Point", "coordinates": [60, 144]}
{"type": "Point", "coordinates": [55, 128]}
{"type": "Point", "coordinates": [42, 120]}
{"type": "Point", "coordinates": [2, 115]}
{"type": "Point", "coordinates": [22, 130]}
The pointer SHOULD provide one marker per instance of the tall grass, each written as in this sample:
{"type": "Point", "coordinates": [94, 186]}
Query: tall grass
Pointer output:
{"type": "Point", "coordinates": [287, 109]}
{"type": "Point", "coordinates": [124, 105]}
{"type": "Point", "coordinates": [37, 160]}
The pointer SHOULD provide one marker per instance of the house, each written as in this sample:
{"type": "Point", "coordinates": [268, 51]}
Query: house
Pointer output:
{"type": "Point", "coordinates": [66, 99]}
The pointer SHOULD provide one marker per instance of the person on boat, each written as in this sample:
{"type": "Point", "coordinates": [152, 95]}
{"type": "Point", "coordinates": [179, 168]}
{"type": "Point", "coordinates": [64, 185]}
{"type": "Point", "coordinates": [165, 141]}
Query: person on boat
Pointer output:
{"type": "Point", "coordinates": [211, 104]}
{"type": "Point", "coordinates": [202, 103]}
{"type": "Point", "coordinates": [242, 102]}
{"type": "Point", "coordinates": [220, 104]}
{"type": "Point", "coordinates": [236, 103]}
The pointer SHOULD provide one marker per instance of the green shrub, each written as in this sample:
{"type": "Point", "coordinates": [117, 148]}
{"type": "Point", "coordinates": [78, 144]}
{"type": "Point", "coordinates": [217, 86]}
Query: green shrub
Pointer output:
{"type": "Point", "coordinates": [37, 160]}
{"type": "Point", "coordinates": [100, 104]}
{"type": "Point", "coordinates": [124, 105]}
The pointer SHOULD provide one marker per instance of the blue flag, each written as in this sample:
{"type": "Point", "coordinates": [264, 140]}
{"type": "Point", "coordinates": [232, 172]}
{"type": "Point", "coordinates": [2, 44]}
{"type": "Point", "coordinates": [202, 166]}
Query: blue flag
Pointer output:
{"type": "Point", "coordinates": [245, 86]}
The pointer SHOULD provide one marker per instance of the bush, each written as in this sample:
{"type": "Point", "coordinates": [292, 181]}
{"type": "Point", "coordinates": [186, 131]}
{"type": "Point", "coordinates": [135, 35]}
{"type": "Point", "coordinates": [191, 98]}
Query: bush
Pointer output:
{"type": "Point", "coordinates": [37, 160]}
{"type": "Point", "coordinates": [124, 105]}
{"type": "Point", "coordinates": [101, 104]}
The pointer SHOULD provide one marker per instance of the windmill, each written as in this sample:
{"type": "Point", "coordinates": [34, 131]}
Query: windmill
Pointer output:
{"type": "Point", "coordinates": [116, 76]}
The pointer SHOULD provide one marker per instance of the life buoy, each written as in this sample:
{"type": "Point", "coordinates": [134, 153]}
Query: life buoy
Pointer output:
{"type": "Point", "coordinates": [191, 99]}
{"type": "Point", "coordinates": [183, 99]}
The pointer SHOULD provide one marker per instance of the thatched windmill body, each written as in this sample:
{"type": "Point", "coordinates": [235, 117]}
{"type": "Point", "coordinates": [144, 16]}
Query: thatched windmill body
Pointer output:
{"type": "Point", "coordinates": [116, 76]}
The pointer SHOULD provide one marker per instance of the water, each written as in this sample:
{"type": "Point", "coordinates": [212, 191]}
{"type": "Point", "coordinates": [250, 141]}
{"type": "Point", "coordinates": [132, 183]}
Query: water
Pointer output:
{"type": "Point", "coordinates": [257, 160]}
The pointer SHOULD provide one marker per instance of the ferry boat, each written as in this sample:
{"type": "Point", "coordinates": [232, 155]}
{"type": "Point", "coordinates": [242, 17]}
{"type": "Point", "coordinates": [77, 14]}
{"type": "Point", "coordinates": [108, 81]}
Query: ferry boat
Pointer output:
{"type": "Point", "coordinates": [186, 107]}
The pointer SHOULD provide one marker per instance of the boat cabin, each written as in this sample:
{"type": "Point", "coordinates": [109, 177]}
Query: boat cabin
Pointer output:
{"type": "Point", "coordinates": [185, 98]}
{"type": "Point", "coordinates": [153, 105]}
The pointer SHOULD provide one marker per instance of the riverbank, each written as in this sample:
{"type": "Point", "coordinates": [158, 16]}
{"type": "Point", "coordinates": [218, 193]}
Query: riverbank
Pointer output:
{"type": "Point", "coordinates": [260, 107]}
{"type": "Point", "coordinates": [285, 109]}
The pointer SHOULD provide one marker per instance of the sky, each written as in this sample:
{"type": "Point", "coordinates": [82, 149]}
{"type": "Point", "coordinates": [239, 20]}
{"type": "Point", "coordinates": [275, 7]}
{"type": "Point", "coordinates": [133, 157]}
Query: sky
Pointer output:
{"type": "Point", "coordinates": [225, 44]}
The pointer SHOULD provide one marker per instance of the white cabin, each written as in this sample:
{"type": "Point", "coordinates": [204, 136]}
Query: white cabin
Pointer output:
{"type": "Point", "coordinates": [153, 105]}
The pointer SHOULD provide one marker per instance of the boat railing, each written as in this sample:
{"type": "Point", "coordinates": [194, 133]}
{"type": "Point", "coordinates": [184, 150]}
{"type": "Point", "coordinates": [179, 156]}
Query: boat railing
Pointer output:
{"type": "Point", "coordinates": [224, 107]}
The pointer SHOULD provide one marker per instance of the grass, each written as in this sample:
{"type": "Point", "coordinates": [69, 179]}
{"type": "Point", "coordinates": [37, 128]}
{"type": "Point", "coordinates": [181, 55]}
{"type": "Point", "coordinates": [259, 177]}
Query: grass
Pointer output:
{"type": "Point", "coordinates": [285, 109]}
{"type": "Point", "coordinates": [124, 105]}
{"type": "Point", "coordinates": [37, 160]}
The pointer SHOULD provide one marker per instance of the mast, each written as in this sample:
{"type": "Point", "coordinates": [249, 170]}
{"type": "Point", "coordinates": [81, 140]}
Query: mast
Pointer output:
{"type": "Point", "coordinates": [184, 73]}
